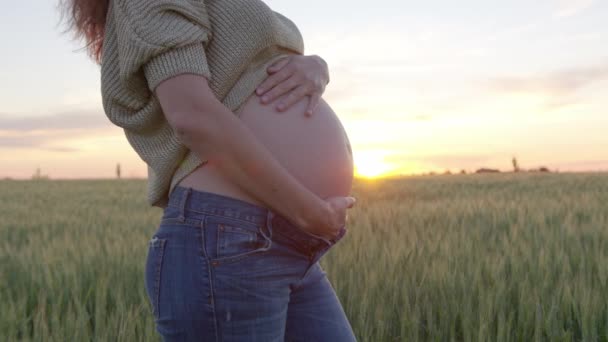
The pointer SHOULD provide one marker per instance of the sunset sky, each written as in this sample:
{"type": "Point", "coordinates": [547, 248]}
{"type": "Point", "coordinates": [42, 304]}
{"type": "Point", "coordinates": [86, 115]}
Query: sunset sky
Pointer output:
{"type": "Point", "coordinates": [419, 86]}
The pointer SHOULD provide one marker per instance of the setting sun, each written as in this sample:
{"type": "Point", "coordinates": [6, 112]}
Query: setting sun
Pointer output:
{"type": "Point", "coordinates": [371, 164]}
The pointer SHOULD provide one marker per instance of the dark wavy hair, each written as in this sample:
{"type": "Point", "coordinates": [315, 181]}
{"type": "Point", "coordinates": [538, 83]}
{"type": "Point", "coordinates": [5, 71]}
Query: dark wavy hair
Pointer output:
{"type": "Point", "coordinates": [86, 19]}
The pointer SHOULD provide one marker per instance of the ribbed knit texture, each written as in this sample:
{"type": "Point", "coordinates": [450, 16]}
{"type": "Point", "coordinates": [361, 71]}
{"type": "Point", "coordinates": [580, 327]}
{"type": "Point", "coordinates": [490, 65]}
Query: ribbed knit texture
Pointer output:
{"type": "Point", "coordinates": [230, 42]}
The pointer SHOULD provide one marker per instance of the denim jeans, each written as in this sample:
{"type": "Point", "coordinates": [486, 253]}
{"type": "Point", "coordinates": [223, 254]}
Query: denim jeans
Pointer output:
{"type": "Point", "coordinates": [222, 269]}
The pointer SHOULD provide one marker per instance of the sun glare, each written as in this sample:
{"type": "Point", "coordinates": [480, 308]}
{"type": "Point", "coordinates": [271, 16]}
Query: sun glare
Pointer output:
{"type": "Point", "coordinates": [370, 164]}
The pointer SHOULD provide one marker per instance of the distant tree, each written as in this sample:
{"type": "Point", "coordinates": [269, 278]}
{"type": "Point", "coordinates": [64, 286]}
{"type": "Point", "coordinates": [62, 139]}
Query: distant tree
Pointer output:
{"type": "Point", "coordinates": [38, 175]}
{"type": "Point", "coordinates": [515, 164]}
{"type": "Point", "coordinates": [118, 170]}
{"type": "Point", "coordinates": [486, 170]}
{"type": "Point", "coordinates": [463, 172]}
{"type": "Point", "coordinates": [543, 169]}
{"type": "Point", "coordinates": [447, 172]}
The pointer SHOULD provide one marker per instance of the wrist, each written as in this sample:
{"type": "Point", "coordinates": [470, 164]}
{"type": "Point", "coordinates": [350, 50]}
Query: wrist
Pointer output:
{"type": "Point", "coordinates": [315, 216]}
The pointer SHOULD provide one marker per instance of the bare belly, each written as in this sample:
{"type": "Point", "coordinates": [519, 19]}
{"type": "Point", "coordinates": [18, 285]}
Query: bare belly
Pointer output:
{"type": "Point", "coordinates": [315, 150]}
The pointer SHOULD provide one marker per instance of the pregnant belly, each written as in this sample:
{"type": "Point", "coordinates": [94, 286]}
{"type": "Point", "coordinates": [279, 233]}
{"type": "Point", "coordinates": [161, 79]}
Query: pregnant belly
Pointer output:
{"type": "Point", "coordinates": [315, 150]}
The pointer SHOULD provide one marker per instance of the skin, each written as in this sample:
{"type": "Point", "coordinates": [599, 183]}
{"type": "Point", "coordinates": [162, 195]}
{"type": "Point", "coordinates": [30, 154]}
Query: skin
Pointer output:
{"type": "Point", "coordinates": [290, 80]}
{"type": "Point", "coordinates": [299, 76]}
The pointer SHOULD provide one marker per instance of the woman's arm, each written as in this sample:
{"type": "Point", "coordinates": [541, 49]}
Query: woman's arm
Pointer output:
{"type": "Point", "coordinates": [166, 39]}
{"type": "Point", "coordinates": [210, 130]}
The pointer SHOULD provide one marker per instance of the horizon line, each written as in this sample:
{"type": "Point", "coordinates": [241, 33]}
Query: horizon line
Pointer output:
{"type": "Point", "coordinates": [392, 176]}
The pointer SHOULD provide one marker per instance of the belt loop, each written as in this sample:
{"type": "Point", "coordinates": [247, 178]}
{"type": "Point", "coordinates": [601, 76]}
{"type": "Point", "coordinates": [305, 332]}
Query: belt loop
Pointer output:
{"type": "Point", "coordinates": [182, 204]}
{"type": "Point", "coordinates": [268, 225]}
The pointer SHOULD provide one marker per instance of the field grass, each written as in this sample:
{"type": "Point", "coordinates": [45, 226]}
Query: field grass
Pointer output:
{"type": "Point", "coordinates": [506, 257]}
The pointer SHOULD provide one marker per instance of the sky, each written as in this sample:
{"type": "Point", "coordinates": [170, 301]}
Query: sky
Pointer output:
{"type": "Point", "coordinates": [418, 85]}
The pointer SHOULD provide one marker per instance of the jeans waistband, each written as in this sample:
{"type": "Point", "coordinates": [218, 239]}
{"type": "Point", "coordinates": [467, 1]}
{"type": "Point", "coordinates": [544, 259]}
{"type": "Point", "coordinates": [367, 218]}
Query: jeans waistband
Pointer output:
{"type": "Point", "coordinates": [191, 202]}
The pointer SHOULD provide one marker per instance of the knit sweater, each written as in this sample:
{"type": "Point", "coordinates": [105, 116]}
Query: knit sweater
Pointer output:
{"type": "Point", "coordinates": [230, 42]}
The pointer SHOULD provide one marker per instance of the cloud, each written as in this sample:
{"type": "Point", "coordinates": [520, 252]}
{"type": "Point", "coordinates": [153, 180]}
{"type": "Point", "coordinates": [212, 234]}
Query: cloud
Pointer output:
{"type": "Point", "coordinates": [515, 31]}
{"type": "Point", "coordinates": [41, 141]}
{"type": "Point", "coordinates": [568, 8]}
{"type": "Point", "coordinates": [558, 82]}
{"type": "Point", "coordinates": [69, 120]}
{"type": "Point", "coordinates": [62, 149]}
{"type": "Point", "coordinates": [558, 87]}
{"type": "Point", "coordinates": [46, 132]}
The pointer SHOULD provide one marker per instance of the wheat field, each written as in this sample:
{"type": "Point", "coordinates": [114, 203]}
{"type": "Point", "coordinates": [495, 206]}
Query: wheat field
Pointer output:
{"type": "Point", "coordinates": [501, 257]}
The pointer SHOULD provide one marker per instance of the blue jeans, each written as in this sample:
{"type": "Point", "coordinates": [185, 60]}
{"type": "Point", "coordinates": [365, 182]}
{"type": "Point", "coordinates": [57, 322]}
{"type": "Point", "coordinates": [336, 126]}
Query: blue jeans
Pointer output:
{"type": "Point", "coordinates": [222, 269]}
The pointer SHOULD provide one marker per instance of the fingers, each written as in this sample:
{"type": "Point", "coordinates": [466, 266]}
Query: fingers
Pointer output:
{"type": "Point", "coordinates": [330, 235]}
{"type": "Point", "coordinates": [335, 232]}
{"type": "Point", "coordinates": [280, 89]}
{"type": "Point", "coordinates": [293, 97]}
{"type": "Point", "coordinates": [271, 81]}
{"type": "Point", "coordinates": [278, 65]}
{"type": "Point", "coordinates": [300, 75]}
{"type": "Point", "coordinates": [312, 104]}
{"type": "Point", "coordinates": [350, 201]}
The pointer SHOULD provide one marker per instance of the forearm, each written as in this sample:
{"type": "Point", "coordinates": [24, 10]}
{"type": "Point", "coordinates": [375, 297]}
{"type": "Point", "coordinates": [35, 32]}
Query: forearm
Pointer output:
{"type": "Point", "coordinates": [230, 146]}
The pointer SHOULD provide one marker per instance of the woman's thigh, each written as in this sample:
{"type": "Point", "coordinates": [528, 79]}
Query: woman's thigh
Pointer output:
{"type": "Point", "coordinates": [216, 278]}
{"type": "Point", "coordinates": [178, 284]}
{"type": "Point", "coordinates": [252, 278]}
{"type": "Point", "coordinates": [315, 312]}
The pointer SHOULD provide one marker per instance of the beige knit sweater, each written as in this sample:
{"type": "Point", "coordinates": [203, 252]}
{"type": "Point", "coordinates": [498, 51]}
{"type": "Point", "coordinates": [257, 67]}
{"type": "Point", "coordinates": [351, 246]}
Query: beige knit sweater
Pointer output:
{"type": "Point", "coordinates": [230, 42]}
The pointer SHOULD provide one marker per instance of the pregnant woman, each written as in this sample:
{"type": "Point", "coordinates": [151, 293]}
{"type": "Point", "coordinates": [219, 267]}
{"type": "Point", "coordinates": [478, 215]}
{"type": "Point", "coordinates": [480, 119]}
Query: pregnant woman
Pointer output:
{"type": "Point", "coordinates": [251, 166]}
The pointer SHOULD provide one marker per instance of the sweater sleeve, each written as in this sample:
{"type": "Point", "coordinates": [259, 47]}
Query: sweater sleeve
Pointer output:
{"type": "Point", "coordinates": [161, 38]}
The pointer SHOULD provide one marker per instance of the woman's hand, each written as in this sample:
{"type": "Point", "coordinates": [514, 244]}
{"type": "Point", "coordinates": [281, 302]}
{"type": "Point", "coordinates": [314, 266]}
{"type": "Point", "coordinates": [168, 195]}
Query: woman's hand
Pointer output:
{"type": "Point", "coordinates": [299, 75]}
{"type": "Point", "coordinates": [330, 221]}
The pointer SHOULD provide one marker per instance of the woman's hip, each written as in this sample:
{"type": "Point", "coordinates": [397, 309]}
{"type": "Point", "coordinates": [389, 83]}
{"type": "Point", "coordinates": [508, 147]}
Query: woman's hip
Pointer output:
{"type": "Point", "coordinates": [230, 230]}
{"type": "Point", "coordinates": [221, 264]}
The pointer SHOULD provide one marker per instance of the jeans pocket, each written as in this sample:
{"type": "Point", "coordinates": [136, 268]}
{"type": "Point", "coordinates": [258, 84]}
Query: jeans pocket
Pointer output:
{"type": "Point", "coordinates": [154, 262]}
{"type": "Point", "coordinates": [230, 239]}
